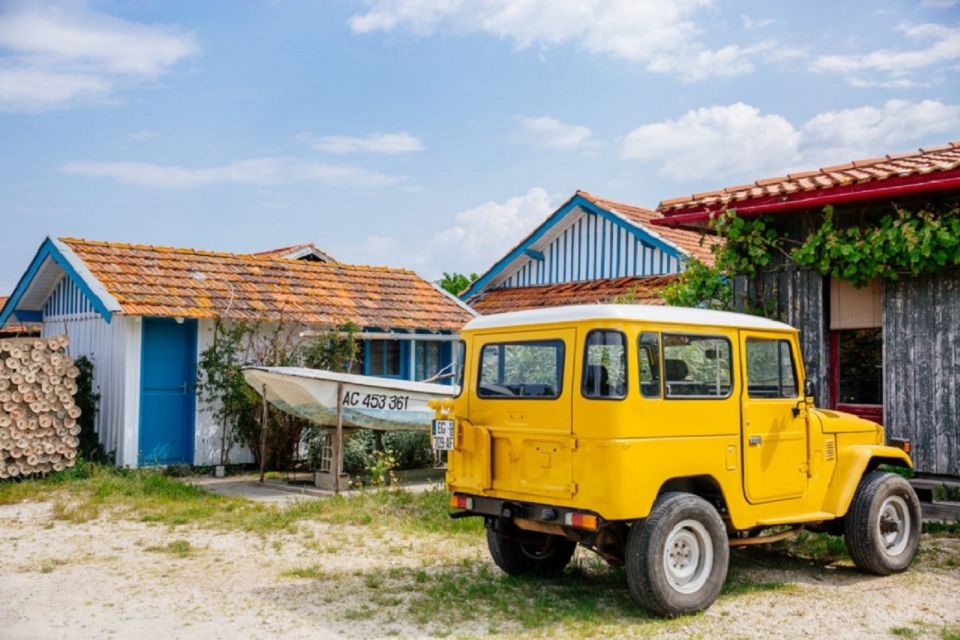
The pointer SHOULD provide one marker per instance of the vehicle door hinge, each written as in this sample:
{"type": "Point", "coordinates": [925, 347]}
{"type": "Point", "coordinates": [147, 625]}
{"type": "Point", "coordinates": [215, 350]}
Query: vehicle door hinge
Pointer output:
{"type": "Point", "coordinates": [805, 469]}
{"type": "Point", "coordinates": [572, 488]}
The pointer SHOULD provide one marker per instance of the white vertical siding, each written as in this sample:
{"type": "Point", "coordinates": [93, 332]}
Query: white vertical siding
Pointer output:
{"type": "Point", "coordinates": [113, 348]}
{"type": "Point", "coordinates": [587, 248]}
{"type": "Point", "coordinates": [206, 449]}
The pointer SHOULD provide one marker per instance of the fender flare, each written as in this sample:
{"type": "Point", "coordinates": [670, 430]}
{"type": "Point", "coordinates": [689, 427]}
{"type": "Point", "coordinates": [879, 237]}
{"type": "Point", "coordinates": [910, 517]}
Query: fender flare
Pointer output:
{"type": "Point", "coordinates": [853, 463]}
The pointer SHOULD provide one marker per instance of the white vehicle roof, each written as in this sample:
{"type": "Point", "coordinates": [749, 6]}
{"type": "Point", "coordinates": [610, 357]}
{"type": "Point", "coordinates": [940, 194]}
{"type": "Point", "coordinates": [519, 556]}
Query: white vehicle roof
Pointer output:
{"type": "Point", "coordinates": [628, 312]}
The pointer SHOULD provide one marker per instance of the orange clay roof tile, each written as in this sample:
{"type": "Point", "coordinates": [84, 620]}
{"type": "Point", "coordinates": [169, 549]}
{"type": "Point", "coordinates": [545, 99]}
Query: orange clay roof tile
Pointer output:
{"type": "Point", "coordinates": [645, 290]}
{"type": "Point", "coordinates": [926, 160]}
{"type": "Point", "coordinates": [166, 281]}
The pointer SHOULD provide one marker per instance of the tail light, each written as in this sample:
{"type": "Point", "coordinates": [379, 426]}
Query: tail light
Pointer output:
{"type": "Point", "coordinates": [903, 445]}
{"type": "Point", "coordinates": [586, 521]}
{"type": "Point", "coordinates": [461, 502]}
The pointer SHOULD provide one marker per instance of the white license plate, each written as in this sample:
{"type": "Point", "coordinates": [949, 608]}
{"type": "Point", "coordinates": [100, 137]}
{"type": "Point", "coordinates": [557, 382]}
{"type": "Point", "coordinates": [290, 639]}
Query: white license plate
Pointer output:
{"type": "Point", "coordinates": [443, 435]}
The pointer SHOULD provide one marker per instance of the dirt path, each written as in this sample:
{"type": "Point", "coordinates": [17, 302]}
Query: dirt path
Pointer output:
{"type": "Point", "coordinates": [122, 579]}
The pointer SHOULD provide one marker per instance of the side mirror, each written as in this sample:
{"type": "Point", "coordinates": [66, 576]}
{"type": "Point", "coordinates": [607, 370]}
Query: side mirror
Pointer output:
{"type": "Point", "coordinates": [809, 388]}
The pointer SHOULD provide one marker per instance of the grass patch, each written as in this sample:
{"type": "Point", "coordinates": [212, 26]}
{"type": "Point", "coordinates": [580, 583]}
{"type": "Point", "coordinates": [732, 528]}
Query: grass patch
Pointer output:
{"type": "Point", "coordinates": [820, 547]}
{"type": "Point", "coordinates": [178, 548]}
{"type": "Point", "coordinates": [904, 632]}
{"type": "Point", "coordinates": [950, 633]}
{"type": "Point", "coordinates": [88, 490]}
{"type": "Point", "coordinates": [739, 584]}
{"type": "Point", "coordinates": [586, 599]}
{"type": "Point", "coordinates": [942, 529]}
{"type": "Point", "coordinates": [312, 572]}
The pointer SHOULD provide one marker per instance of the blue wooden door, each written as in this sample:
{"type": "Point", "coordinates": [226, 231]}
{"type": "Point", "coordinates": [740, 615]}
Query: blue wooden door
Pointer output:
{"type": "Point", "coordinates": [167, 391]}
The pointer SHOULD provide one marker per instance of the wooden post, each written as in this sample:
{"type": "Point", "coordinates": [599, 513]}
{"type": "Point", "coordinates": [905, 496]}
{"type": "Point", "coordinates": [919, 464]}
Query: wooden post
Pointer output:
{"type": "Point", "coordinates": [263, 436]}
{"type": "Point", "coordinates": [338, 455]}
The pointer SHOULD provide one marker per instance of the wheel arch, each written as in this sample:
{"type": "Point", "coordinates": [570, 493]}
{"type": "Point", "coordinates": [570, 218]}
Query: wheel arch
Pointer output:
{"type": "Point", "coordinates": [852, 465]}
{"type": "Point", "coordinates": [704, 486]}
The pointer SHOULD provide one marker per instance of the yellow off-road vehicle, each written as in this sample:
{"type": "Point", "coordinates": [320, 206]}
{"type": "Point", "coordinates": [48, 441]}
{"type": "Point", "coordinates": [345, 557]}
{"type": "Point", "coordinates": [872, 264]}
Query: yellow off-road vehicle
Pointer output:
{"type": "Point", "coordinates": [659, 437]}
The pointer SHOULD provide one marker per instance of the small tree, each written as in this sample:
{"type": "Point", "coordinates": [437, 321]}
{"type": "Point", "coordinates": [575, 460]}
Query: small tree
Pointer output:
{"type": "Point", "coordinates": [221, 384]}
{"type": "Point", "coordinates": [456, 283]}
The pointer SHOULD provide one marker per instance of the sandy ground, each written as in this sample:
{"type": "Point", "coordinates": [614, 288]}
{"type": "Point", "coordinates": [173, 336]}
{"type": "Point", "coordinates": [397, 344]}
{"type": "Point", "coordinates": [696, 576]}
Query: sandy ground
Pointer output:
{"type": "Point", "coordinates": [100, 579]}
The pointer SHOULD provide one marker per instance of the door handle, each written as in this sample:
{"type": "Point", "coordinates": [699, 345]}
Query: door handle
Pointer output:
{"type": "Point", "coordinates": [755, 441]}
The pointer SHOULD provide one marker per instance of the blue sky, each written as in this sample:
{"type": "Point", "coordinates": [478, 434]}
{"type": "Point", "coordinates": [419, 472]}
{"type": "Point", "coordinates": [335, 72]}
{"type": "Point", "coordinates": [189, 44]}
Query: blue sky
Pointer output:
{"type": "Point", "coordinates": [435, 134]}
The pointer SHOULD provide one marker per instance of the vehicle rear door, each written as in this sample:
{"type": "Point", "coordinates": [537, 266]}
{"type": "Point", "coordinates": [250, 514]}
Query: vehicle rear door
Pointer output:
{"type": "Point", "coordinates": [522, 396]}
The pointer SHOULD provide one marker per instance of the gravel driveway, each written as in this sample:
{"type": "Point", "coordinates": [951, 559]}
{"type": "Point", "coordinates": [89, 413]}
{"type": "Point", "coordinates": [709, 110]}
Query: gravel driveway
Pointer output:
{"type": "Point", "coordinates": [119, 578]}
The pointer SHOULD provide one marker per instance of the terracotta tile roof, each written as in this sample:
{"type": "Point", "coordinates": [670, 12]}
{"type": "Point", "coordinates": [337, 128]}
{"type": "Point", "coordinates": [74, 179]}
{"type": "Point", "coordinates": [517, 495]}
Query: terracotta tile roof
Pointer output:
{"type": "Point", "coordinates": [17, 329]}
{"type": "Point", "coordinates": [163, 281]}
{"type": "Point", "coordinates": [295, 251]}
{"type": "Point", "coordinates": [646, 289]}
{"type": "Point", "coordinates": [924, 161]}
{"type": "Point", "coordinates": [688, 241]}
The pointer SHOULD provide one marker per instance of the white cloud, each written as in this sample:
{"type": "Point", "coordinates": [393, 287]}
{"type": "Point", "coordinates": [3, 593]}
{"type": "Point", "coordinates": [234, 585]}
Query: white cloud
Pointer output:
{"type": "Point", "coordinates": [896, 67]}
{"type": "Point", "coordinates": [550, 132]}
{"type": "Point", "coordinates": [739, 141]}
{"type": "Point", "coordinates": [256, 171]}
{"type": "Point", "coordinates": [489, 229]}
{"type": "Point", "coordinates": [663, 36]}
{"type": "Point", "coordinates": [716, 140]}
{"type": "Point", "coordinates": [847, 134]}
{"type": "Point", "coordinates": [54, 57]}
{"type": "Point", "coordinates": [386, 143]}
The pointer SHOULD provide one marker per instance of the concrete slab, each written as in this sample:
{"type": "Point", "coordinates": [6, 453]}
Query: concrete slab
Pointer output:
{"type": "Point", "coordinates": [279, 491]}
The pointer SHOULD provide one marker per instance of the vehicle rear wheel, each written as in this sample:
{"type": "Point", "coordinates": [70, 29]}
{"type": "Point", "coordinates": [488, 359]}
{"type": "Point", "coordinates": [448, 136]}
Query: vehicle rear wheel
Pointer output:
{"type": "Point", "coordinates": [677, 558]}
{"type": "Point", "coordinates": [882, 526]}
{"type": "Point", "coordinates": [538, 555]}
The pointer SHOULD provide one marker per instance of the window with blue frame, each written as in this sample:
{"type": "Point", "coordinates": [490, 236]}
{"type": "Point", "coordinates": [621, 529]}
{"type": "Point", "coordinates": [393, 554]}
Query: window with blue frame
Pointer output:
{"type": "Point", "coordinates": [429, 359]}
{"type": "Point", "coordinates": [385, 358]}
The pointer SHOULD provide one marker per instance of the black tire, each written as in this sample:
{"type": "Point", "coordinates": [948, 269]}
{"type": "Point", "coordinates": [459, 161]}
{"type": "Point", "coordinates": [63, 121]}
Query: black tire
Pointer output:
{"type": "Point", "coordinates": [545, 556]}
{"type": "Point", "coordinates": [882, 526]}
{"type": "Point", "coordinates": [692, 529]}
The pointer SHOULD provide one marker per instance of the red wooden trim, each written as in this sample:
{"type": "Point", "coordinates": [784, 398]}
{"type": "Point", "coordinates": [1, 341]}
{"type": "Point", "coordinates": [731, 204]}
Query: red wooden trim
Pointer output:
{"type": "Point", "coordinates": [834, 368]}
{"type": "Point", "coordinates": [872, 412]}
{"type": "Point", "coordinates": [874, 190]}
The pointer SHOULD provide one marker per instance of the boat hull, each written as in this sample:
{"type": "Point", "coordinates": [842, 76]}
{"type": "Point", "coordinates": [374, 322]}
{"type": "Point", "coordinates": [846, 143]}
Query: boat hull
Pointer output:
{"type": "Point", "coordinates": [369, 402]}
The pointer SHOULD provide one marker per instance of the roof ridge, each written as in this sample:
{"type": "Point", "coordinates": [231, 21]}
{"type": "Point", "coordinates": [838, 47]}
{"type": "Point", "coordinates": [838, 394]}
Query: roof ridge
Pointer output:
{"type": "Point", "coordinates": [229, 254]}
{"type": "Point", "coordinates": [771, 185]}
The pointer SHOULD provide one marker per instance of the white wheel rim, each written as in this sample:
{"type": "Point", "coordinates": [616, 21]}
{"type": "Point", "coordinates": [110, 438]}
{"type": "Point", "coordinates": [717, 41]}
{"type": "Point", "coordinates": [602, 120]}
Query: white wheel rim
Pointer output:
{"type": "Point", "coordinates": [688, 556]}
{"type": "Point", "coordinates": [893, 525]}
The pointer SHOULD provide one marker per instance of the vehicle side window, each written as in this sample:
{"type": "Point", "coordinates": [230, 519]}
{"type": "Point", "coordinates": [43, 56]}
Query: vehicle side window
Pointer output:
{"type": "Point", "coordinates": [696, 366]}
{"type": "Point", "coordinates": [648, 352]}
{"type": "Point", "coordinates": [770, 369]}
{"type": "Point", "coordinates": [521, 370]}
{"type": "Point", "coordinates": [605, 365]}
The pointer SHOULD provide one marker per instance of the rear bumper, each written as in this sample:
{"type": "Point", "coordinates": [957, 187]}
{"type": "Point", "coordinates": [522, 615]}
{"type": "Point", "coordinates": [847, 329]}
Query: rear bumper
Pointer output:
{"type": "Point", "coordinates": [512, 510]}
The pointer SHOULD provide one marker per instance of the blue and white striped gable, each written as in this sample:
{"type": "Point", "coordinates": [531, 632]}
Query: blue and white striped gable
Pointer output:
{"type": "Point", "coordinates": [57, 285]}
{"type": "Point", "coordinates": [582, 241]}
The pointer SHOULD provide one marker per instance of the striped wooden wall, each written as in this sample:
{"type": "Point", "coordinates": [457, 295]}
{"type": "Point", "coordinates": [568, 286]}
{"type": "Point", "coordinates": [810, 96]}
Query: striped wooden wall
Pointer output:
{"type": "Point", "coordinates": [66, 300]}
{"type": "Point", "coordinates": [587, 248]}
{"type": "Point", "coordinates": [921, 368]}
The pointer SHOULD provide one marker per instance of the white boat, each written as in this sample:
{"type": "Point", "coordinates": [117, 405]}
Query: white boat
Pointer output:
{"type": "Point", "coordinates": [369, 402]}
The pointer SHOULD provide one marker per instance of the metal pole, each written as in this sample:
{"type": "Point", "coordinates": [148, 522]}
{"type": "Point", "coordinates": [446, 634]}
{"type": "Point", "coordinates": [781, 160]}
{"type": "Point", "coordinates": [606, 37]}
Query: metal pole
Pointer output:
{"type": "Point", "coordinates": [263, 436]}
{"type": "Point", "coordinates": [338, 461]}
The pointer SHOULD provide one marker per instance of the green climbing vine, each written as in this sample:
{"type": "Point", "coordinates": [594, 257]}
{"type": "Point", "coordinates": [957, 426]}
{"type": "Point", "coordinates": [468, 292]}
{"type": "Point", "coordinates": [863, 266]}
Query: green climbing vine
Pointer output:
{"type": "Point", "coordinates": [901, 243]}
{"type": "Point", "coordinates": [904, 242]}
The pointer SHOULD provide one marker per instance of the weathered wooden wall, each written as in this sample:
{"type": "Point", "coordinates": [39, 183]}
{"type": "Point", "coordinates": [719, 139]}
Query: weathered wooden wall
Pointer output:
{"type": "Point", "coordinates": [921, 368]}
{"type": "Point", "coordinates": [799, 298]}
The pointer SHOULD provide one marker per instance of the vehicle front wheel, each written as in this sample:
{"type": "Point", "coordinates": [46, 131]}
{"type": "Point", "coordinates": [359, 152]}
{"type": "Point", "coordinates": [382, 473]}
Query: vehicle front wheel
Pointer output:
{"type": "Point", "coordinates": [677, 558]}
{"type": "Point", "coordinates": [538, 554]}
{"type": "Point", "coordinates": [882, 526]}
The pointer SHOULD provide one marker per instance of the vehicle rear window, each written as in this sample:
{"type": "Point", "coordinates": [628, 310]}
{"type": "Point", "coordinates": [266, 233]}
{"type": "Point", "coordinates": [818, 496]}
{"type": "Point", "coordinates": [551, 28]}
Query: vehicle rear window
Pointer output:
{"type": "Point", "coordinates": [521, 370]}
{"type": "Point", "coordinates": [696, 366]}
{"type": "Point", "coordinates": [770, 370]}
{"type": "Point", "coordinates": [605, 365]}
